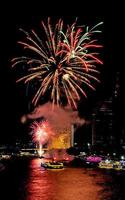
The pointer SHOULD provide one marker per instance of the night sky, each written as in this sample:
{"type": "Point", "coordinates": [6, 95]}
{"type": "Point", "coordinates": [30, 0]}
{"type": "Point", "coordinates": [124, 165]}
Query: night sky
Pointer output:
{"type": "Point", "coordinates": [14, 102]}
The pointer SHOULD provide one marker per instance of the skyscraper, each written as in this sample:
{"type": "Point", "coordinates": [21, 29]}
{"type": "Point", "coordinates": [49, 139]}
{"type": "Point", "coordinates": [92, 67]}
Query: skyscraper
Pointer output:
{"type": "Point", "coordinates": [107, 125]}
{"type": "Point", "coordinates": [102, 122]}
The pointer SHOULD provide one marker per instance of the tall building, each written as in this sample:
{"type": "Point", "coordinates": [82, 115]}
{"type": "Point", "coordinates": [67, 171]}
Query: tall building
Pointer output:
{"type": "Point", "coordinates": [73, 141]}
{"type": "Point", "coordinates": [102, 123]}
{"type": "Point", "coordinates": [118, 109]}
{"type": "Point", "coordinates": [107, 123]}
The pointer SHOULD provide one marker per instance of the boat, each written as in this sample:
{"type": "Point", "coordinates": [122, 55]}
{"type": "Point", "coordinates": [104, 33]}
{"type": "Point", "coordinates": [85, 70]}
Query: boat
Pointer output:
{"type": "Point", "coordinates": [52, 165]}
{"type": "Point", "coordinates": [92, 161]}
{"type": "Point", "coordinates": [122, 163]}
{"type": "Point", "coordinates": [106, 164]}
{"type": "Point", "coordinates": [110, 164]}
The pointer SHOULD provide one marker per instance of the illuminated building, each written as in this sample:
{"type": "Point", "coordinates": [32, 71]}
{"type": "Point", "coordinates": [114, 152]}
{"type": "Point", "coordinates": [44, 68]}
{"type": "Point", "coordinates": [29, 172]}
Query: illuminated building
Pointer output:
{"type": "Point", "coordinates": [118, 108]}
{"type": "Point", "coordinates": [102, 123]}
{"type": "Point", "coordinates": [72, 137]}
{"type": "Point", "coordinates": [107, 124]}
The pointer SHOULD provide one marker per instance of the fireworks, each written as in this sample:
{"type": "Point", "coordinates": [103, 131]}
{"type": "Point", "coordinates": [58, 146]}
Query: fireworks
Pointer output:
{"type": "Point", "coordinates": [41, 132]}
{"type": "Point", "coordinates": [61, 62]}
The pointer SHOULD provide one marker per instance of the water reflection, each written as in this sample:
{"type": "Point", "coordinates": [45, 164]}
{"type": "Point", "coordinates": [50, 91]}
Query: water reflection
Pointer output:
{"type": "Point", "coordinates": [24, 179]}
{"type": "Point", "coordinates": [40, 185]}
{"type": "Point", "coordinates": [67, 184]}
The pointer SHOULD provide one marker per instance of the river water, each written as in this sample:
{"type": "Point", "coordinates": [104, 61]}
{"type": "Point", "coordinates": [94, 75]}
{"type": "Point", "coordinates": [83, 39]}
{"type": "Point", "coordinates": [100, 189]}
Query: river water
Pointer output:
{"type": "Point", "coordinates": [24, 179]}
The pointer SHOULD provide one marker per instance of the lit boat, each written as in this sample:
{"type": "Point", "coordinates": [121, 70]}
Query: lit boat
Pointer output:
{"type": "Point", "coordinates": [117, 165]}
{"type": "Point", "coordinates": [122, 162]}
{"type": "Point", "coordinates": [52, 165]}
{"type": "Point", "coordinates": [94, 159]}
{"type": "Point", "coordinates": [110, 164]}
{"type": "Point", "coordinates": [106, 164]}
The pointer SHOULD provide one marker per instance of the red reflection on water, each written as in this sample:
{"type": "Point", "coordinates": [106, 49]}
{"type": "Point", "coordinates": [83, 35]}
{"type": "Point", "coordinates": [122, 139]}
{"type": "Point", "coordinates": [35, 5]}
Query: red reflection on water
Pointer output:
{"type": "Point", "coordinates": [67, 184]}
{"type": "Point", "coordinates": [39, 185]}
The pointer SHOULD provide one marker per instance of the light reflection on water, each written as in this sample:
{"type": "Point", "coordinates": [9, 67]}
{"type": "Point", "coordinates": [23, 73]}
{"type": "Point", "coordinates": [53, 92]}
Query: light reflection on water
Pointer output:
{"type": "Point", "coordinates": [67, 184]}
{"type": "Point", "coordinates": [24, 179]}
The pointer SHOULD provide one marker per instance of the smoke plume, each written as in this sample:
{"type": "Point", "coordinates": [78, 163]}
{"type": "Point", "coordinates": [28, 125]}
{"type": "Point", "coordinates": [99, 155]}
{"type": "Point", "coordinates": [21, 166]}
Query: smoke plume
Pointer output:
{"type": "Point", "coordinates": [59, 118]}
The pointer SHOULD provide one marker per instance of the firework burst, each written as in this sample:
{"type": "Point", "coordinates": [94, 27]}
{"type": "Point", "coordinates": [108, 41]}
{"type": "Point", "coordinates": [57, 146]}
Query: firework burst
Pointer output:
{"type": "Point", "coordinates": [41, 132]}
{"type": "Point", "coordinates": [62, 61]}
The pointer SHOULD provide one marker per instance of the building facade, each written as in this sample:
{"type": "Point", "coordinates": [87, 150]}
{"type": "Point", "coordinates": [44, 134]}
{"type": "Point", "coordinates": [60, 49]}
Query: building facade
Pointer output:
{"type": "Point", "coordinates": [107, 121]}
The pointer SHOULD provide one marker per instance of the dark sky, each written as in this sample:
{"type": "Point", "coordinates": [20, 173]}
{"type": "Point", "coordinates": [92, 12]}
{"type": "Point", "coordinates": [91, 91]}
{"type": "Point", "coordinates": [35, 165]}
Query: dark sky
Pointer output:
{"type": "Point", "coordinates": [20, 15]}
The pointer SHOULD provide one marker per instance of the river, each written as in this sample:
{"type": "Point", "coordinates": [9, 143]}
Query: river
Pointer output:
{"type": "Point", "coordinates": [24, 179]}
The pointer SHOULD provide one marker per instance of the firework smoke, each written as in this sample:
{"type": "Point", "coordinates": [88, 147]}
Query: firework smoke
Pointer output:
{"type": "Point", "coordinates": [60, 119]}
